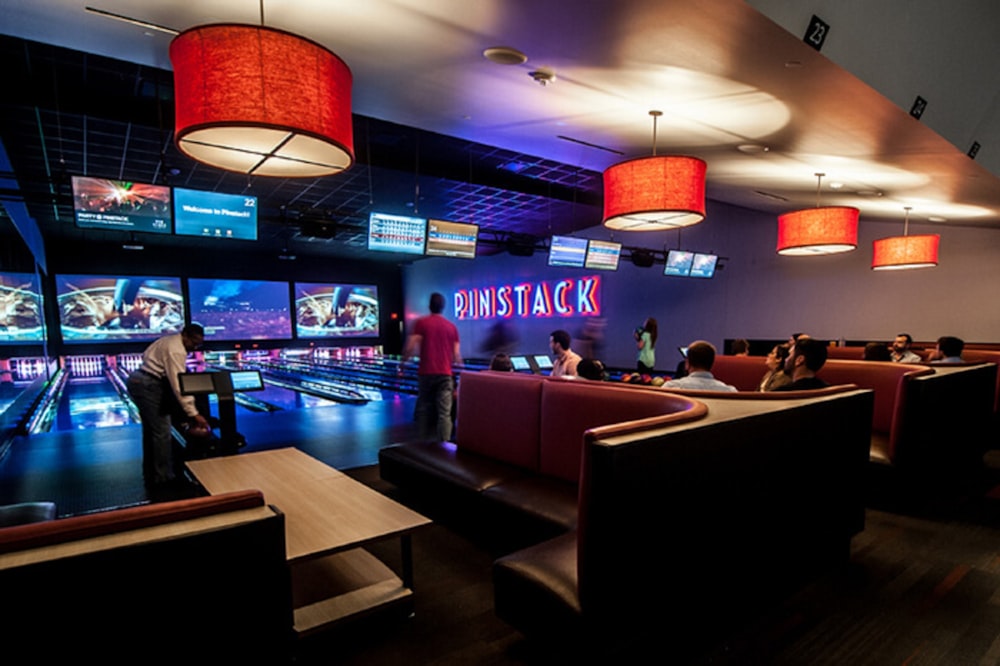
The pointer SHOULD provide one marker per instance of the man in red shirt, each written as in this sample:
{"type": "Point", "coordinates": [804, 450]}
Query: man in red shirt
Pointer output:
{"type": "Point", "coordinates": [435, 341]}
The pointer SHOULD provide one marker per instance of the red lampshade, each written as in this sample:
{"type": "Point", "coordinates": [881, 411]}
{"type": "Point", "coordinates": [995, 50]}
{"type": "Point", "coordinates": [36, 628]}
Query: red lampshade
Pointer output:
{"type": "Point", "coordinates": [654, 193]}
{"type": "Point", "coordinates": [825, 230]}
{"type": "Point", "coordinates": [901, 252]}
{"type": "Point", "coordinates": [261, 101]}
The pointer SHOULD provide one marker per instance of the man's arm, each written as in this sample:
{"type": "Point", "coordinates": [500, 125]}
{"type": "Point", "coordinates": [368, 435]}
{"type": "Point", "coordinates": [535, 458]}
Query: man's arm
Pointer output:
{"type": "Point", "coordinates": [458, 354]}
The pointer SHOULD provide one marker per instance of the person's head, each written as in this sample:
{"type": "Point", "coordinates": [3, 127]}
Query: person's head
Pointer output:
{"type": "Point", "coordinates": [902, 343]}
{"type": "Point", "coordinates": [559, 341]}
{"type": "Point", "coordinates": [700, 355]}
{"type": "Point", "coordinates": [193, 337]}
{"type": "Point", "coordinates": [437, 303]}
{"type": "Point", "coordinates": [793, 337]}
{"type": "Point", "coordinates": [950, 346]}
{"type": "Point", "coordinates": [591, 368]}
{"type": "Point", "coordinates": [877, 351]}
{"type": "Point", "coordinates": [650, 327]}
{"type": "Point", "coordinates": [776, 359]}
{"type": "Point", "coordinates": [806, 357]}
{"type": "Point", "coordinates": [740, 347]}
{"type": "Point", "coordinates": [502, 363]}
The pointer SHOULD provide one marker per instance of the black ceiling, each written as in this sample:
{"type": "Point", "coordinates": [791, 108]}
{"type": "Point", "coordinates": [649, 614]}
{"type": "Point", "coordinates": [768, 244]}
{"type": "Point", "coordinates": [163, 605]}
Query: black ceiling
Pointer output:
{"type": "Point", "coordinates": [68, 113]}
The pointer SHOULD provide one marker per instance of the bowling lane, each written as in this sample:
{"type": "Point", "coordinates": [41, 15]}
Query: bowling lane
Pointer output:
{"type": "Point", "coordinates": [89, 402]}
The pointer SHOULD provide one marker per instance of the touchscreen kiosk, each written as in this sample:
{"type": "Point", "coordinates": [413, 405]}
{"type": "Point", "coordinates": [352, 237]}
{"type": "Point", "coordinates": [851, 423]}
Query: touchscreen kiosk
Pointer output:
{"type": "Point", "coordinates": [520, 363]}
{"type": "Point", "coordinates": [197, 383]}
{"type": "Point", "coordinates": [246, 380]}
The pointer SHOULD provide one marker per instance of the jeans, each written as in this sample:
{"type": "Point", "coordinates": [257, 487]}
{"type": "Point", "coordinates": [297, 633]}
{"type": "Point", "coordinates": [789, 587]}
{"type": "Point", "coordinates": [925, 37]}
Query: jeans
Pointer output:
{"type": "Point", "coordinates": [434, 406]}
{"type": "Point", "coordinates": [149, 395]}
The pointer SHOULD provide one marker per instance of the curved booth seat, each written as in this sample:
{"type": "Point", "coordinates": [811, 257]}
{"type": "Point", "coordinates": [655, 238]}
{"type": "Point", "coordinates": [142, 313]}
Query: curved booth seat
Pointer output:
{"type": "Point", "coordinates": [26, 512]}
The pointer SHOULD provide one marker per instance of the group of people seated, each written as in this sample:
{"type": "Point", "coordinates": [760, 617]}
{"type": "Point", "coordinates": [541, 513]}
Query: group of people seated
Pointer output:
{"type": "Point", "coordinates": [791, 366]}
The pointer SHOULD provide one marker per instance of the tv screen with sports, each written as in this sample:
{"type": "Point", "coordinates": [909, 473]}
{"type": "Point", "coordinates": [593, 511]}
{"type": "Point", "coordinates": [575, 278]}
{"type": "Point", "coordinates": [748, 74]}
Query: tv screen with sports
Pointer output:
{"type": "Point", "coordinates": [325, 310]}
{"type": "Point", "coordinates": [397, 233]}
{"type": "Point", "coordinates": [603, 255]}
{"type": "Point", "coordinates": [451, 239]}
{"type": "Point", "coordinates": [241, 309]}
{"type": "Point", "coordinates": [22, 318]}
{"type": "Point", "coordinates": [703, 265]}
{"type": "Point", "coordinates": [567, 251]}
{"type": "Point", "coordinates": [110, 308]}
{"type": "Point", "coordinates": [102, 203]}
{"type": "Point", "coordinates": [215, 214]}
{"type": "Point", "coordinates": [678, 263]}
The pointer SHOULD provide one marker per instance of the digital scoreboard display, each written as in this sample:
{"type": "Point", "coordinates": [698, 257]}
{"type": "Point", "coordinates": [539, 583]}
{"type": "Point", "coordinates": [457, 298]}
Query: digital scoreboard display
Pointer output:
{"type": "Point", "coordinates": [451, 239]}
{"type": "Point", "coordinates": [603, 255]}
{"type": "Point", "coordinates": [397, 233]}
{"type": "Point", "coordinates": [567, 251]}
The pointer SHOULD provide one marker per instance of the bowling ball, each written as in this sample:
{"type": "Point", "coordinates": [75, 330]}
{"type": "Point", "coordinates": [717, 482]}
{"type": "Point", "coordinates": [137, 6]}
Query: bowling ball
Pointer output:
{"type": "Point", "coordinates": [626, 377]}
{"type": "Point", "coordinates": [646, 379]}
{"type": "Point", "coordinates": [635, 378]}
{"type": "Point", "coordinates": [658, 381]}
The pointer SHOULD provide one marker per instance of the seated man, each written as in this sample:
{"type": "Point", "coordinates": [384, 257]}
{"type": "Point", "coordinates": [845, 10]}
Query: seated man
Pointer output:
{"type": "Point", "coordinates": [700, 358]}
{"type": "Point", "coordinates": [901, 352]}
{"type": "Point", "coordinates": [806, 358]}
{"type": "Point", "coordinates": [949, 350]}
{"type": "Point", "coordinates": [566, 359]}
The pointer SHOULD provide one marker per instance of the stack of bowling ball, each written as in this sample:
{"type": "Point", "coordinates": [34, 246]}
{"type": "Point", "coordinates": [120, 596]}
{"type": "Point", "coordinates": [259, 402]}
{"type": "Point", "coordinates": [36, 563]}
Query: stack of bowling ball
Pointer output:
{"type": "Point", "coordinates": [637, 378]}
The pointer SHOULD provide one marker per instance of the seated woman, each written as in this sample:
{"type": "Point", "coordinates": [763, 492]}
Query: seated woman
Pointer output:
{"type": "Point", "coordinates": [775, 362]}
{"type": "Point", "coordinates": [877, 351]}
{"type": "Point", "coordinates": [592, 369]}
{"type": "Point", "coordinates": [502, 363]}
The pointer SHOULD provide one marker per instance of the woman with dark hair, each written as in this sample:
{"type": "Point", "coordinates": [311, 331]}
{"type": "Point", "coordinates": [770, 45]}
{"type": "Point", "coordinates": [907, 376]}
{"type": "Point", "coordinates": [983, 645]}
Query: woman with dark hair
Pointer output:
{"type": "Point", "coordinates": [645, 341]}
{"type": "Point", "coordinates": [775, 362]}
{"type": "Point", "coordinates": [877, 351]}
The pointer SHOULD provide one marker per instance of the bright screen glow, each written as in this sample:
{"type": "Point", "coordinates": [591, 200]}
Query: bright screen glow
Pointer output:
{"type": "Point", "coordinates": [324, 310]}
{"type": "Point", "coordinates": [108, 308]}
{"type": "Point", "coordinates": [241, 309]}
{"type": "Point", "coordinates": [678, 263]}
{"type": "Point", "coordinates": [603, 255]}
{"type": "Point", "coordinates": [246, 380]}
{"type": "Point", "coordinates": [21, 318]}
{"type": "Point", "coordinates": [520, 363]}
{"type": "Point", "coordinates": [215, 215]}
{"type": "Point", "coordinates": [703, 265]}
{"type": "Point", "coordinates": [101, 203]}
{"type": "Point", "coordinates": [567, 251]}
{"type": "Point", "coordinates": [451, 239]}
{"type": "Point", "coordinates": [397, 233]}
{"type": "Point", "coordinates": [543, 361]}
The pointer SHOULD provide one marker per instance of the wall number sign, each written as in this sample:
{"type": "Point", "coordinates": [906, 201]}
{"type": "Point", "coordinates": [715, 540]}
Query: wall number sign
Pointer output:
{"type": "Point", "coordinates": [816, 32]}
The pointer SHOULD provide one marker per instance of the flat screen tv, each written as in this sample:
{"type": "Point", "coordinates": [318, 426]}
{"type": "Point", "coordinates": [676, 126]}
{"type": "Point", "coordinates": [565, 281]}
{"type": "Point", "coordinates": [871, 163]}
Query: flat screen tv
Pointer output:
{"type": "Point", "coordinates": [397, 233]}
{"type": "Point", "coordinates": [603, 255]}
{"type": "Point", "coordinates": [215, 214]}
{"type": "Point", "coordinates": [678, 263]}
{"type": "Point", "coordinates": [703, 265]}
{"type": "Point", "coordinates": [21, 315]}
{"type": "Point", "coordinates": [110, 308]}
{"type": "Point", "coordinates": [325, 310]}
{"type": "Point", "coordinates": [451, 239]}
{"type": "Point", "coordinates": [241, 309]}
{"type": "Point", "coordinates": [567, 251]}
{"type": "Point", "coordinates": [102, 203]}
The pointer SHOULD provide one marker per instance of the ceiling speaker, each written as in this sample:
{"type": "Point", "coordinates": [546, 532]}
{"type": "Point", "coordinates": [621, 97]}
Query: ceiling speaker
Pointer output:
{"type": "Point", "coordinates": [642, 258]}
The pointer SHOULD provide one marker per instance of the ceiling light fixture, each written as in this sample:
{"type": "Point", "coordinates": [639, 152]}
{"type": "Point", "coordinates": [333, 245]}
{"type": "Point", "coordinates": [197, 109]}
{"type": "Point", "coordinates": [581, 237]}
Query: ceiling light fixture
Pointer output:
{"type": "Point", "coordinates": [262, 102]}
{"type": "Point", "coordinates": [654, 193]}
{"type": "Point", "coordinates": [819, 230]}
{"type": "Point", "coordinates": [903, 252]}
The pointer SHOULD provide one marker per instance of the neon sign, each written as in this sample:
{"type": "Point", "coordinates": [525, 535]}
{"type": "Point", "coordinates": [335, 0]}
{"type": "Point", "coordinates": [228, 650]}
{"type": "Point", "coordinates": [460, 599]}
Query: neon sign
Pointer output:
{"type": "Point", "coordinates": [572, 297]}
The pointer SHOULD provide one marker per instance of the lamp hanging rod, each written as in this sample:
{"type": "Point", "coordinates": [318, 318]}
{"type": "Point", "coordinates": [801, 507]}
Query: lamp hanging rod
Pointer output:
{"type": "Point", "coordinates": [819, 180]}
{"type": "Point", "coordinates": [655, 114]}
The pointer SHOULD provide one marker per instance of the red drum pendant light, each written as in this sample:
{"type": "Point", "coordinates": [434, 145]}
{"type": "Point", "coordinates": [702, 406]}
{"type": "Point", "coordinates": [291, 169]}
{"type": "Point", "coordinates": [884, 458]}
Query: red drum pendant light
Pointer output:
{"type": "Point", "coordinates": [825, 230]}
{"type": "Point", "coordinates": [654, 193]}
{"type": "Point", "coordinates": [260, 101]}
{"type": "Point", "coordinates": [903, 252]}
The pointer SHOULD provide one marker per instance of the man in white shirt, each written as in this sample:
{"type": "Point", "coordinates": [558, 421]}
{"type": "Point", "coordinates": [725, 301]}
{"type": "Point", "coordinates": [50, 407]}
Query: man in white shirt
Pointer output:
{"type": "Point", "coordinates": [155, 389]}
{"type": "Point", "coordinates": [901, 350]}
{"type": "Point", "coordinates": [699, 360]}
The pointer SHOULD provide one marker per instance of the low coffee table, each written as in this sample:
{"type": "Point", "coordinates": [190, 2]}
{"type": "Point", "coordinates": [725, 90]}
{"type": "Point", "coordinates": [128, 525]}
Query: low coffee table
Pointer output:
{"type": "Point", "coordinates": [329, 518]}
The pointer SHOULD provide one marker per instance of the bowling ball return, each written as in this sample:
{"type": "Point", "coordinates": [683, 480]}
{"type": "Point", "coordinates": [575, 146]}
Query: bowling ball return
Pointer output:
{"type": "Point", "coordinates": [203, 442]}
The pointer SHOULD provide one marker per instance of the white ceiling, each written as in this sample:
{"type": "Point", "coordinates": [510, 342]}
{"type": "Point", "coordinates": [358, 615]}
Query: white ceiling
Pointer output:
{"type": "Point", "coordinates": [762, 108]}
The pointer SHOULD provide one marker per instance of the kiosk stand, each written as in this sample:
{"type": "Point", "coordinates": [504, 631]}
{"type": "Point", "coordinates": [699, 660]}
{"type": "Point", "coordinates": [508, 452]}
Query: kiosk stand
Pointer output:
{"type": "Point", "coordinates": [225, 384]}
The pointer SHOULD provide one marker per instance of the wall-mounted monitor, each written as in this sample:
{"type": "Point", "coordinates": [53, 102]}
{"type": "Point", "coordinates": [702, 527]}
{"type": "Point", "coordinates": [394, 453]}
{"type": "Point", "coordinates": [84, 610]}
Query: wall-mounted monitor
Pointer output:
{"type": "Point", "coordinates": [21, 313]}
{"type": "Point", "coordinates": [214, 214]}
{"type": "Point", "coordinates": [567, 251]}
{"type": "Point", "coordinates": [99, 308]}
{"type": "Point", "coordinates": [324, 310]}
{"type": "Point", "coordinates": [397, 233]}
{"type": "Point", "coordinates": [241, 309]}
{"type": "Point", "coordinates": [603, 255]}
{"type": "Point", "coordinates": [703, 265]}
{"type": "Point", "coordinates": [451, 239]}
{"type": "Point", "coordinates": [102, 203]}
{"type": "Point", "coordinates": [678, 263]}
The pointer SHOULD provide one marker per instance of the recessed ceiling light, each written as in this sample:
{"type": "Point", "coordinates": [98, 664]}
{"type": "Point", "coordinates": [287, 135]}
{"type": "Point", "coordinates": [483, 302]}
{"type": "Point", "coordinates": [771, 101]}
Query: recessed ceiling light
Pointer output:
{"type": "Point", "coordinates": [937, 218]}
{"type": "Point", "coordinates": [505, 55]}
{"type": "Point", "coordinates": [793, 64]}
{"type": "Point", "coordinates": [868, 193]}
{"type": "Point", "coordinates": [752, 148]}
{"type": "Point", "coordinates": [836, 186]}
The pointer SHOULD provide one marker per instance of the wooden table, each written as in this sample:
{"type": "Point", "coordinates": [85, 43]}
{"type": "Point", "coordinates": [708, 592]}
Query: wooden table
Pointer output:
{"type": "Point", "coordinates": [329, 518]}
